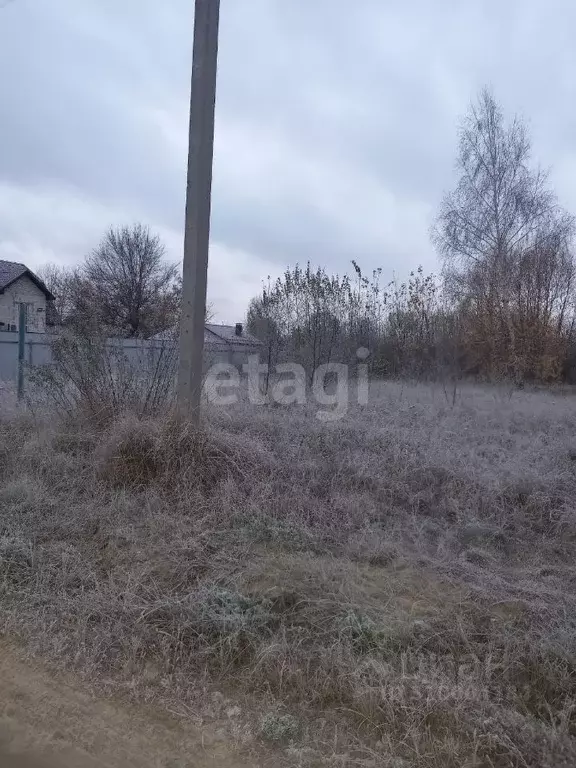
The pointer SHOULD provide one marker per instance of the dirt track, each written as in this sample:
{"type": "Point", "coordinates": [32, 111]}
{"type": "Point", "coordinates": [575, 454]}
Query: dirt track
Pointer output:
{"type": "Point", "coordinates": [51, 723]}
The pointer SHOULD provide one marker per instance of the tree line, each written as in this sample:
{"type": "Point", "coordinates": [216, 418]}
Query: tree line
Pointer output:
{"type": "Point", "coordinates": [503, 305]}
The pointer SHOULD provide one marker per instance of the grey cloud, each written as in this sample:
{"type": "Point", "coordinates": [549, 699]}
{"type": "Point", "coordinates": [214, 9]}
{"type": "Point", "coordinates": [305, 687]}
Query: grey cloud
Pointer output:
{"type": "Point", "coordinates": [337, 121]}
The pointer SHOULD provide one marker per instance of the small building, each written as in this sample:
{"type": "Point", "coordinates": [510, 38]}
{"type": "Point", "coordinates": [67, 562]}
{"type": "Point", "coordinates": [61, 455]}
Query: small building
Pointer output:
{"type": "Point", "coordinates": [229, 344]}
{"type": "Point", "coordinates": [19, 285]}
{"type": "Point", "coordinates": [224, 343]}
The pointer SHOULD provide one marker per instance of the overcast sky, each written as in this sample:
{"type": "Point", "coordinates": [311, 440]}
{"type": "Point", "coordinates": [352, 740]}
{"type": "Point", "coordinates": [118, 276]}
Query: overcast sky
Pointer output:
{"type": "Point", "coordinates": [336, 124]}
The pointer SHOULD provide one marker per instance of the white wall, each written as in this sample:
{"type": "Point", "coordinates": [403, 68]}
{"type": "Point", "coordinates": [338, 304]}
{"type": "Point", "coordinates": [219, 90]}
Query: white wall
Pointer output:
{"type": "Point", "coordinates": [23, 291]}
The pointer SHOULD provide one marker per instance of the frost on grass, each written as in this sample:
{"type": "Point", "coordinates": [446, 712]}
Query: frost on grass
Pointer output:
{"type": "Point", "coordinates": [279, 728]}
{"type": "Point", "coordinates": [397, 588]}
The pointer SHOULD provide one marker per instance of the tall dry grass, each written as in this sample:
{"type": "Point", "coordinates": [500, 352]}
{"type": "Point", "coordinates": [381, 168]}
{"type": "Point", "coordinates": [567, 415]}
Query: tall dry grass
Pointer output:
{"type": "Point", "coordinates": [394, 589]}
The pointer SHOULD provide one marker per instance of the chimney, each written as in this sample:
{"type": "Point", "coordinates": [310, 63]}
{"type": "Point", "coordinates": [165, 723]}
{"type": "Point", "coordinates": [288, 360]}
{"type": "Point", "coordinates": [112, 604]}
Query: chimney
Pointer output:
{"type": "Point", "coordinates": [238, 329]}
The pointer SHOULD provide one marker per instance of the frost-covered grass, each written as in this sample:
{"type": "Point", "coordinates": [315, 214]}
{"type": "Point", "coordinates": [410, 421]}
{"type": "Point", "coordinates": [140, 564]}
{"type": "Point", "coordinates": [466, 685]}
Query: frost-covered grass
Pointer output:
{"type": "Point", "coordinates": [396, 589]}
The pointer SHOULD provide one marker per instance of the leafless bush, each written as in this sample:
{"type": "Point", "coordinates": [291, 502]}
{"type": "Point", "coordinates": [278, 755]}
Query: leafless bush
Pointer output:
{"type": "Point", "coordinates": [97, 377]}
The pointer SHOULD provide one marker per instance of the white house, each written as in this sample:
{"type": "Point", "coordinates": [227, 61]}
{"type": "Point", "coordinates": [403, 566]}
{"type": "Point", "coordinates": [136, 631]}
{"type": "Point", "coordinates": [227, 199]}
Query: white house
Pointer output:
{"type": "Point", "coordinates": [19, 285]}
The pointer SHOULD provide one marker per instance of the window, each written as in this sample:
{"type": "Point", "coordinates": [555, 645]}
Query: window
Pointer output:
{"type": "Point", "coordinates": [30, 318]}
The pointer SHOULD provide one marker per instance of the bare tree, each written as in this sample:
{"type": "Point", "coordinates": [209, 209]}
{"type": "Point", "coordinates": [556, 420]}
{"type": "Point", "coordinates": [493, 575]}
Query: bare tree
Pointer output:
{"type": "Point", "coordinates": [60, 281]}
{"type": "Point", "coordinates": [500, 204]}
{"type": "Point", "coordinates": [499, 223]}
{"type": "Point", "coordinates": [52, 275]}
{"type": "Point", "coordinates": [128, 285]}
{"type": "Point", "coordinates": [304, 314]}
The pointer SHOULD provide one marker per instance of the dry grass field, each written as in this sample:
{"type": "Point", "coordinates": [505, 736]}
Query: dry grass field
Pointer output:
{"type": "Point", "coordinates": [394, 589]}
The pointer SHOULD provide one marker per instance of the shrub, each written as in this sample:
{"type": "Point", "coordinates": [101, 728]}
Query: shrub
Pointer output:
{"type": "Point", "coordinates": [94, 376]}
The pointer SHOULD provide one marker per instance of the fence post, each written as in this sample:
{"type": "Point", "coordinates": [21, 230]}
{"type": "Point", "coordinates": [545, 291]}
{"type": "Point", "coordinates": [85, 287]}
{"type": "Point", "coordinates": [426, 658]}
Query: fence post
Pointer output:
{"type": "Point", "coordinates": [21, 349]}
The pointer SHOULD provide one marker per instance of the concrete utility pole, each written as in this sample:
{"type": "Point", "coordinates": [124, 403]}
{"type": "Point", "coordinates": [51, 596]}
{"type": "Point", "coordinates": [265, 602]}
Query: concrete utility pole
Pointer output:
{"type": "Point", "coordinates": [198, 204]}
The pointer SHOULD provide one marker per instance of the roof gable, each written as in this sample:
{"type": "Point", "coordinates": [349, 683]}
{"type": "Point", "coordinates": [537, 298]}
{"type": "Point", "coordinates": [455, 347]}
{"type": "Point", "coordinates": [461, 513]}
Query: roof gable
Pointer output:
{"type": "Point", "coordinates": [11, 271]}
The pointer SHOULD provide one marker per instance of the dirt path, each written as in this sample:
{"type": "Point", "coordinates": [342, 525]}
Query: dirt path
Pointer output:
{"type": "Point", "coordinates": [52, 723]}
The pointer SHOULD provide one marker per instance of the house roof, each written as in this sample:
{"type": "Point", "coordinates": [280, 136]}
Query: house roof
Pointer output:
{"type": "Point", "coordinates": [218, 335]}
{"type": "Point", "coordinates": [227, 334]}
{"type": "Point", "coordinates": [10, 271]}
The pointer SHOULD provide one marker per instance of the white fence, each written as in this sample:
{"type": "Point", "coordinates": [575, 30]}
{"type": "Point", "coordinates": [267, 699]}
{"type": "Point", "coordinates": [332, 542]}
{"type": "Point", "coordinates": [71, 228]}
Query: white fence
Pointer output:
{"type": "Point", "coordinates": [137, 352]}
{"type": "Point", "coordinates": [37, 351]}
